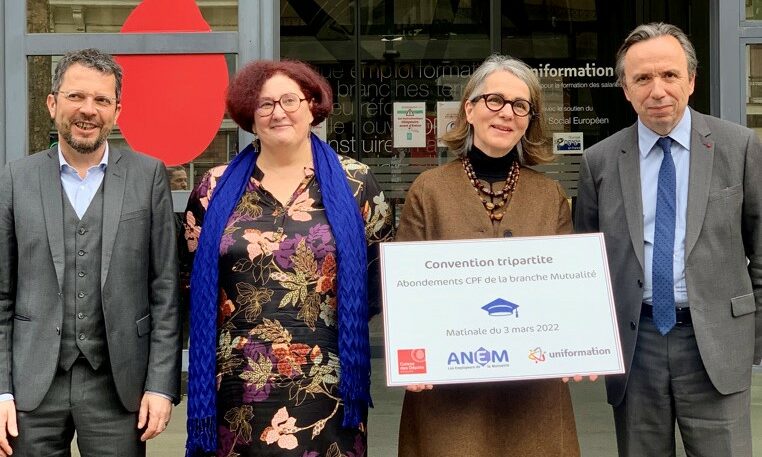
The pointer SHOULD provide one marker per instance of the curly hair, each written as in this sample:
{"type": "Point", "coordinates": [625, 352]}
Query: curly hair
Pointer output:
{"type": "Point", "coordinates": [243, 92]}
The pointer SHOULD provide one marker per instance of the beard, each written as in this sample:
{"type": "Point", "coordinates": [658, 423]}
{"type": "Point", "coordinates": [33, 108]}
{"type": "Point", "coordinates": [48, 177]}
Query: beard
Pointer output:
{"type": "Point", "coordinates": [82, 146]}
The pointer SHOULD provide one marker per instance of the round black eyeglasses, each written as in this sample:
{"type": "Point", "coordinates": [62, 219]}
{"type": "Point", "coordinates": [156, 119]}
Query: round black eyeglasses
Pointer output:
{"type": "Point", "coordinates": [496, 102]}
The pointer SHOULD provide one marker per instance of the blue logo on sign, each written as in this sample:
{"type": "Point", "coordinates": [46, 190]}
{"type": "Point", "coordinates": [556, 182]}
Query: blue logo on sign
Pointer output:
{"type": "Point", "coordinates": [480, 357]}
{"type": "Point", "coordinates": [568, 144]}
{"type": "Point", "coordinates": [501, 307]}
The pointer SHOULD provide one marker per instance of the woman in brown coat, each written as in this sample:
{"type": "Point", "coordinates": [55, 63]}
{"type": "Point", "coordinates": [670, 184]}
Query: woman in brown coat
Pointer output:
{"type": "Point", "coordinates": [489, 192]}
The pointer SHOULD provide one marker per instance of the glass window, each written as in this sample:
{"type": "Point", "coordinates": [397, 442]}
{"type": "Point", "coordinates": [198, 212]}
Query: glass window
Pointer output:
{"type": "Point", "coordinates": [560, 41]}
{"type": "Point", "coordinates": [96, 16]}
{"type": "Point", "coordinates": [408, 51]}
{"type": "Point", "coordinates": [753, 10]}
{"type": "Point", "coordinates": [754, 87]}
{"type": "Point", "coordinates": [571, 46]}
{"type": "Point", "coordinates": [322, 33]}
{"type": "Point", "coordinates": [416, 51]}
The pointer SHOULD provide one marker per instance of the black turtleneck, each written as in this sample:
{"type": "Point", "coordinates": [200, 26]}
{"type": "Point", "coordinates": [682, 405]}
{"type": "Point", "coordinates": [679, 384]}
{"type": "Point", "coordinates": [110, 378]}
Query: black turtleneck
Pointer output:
{"type": "Point", "coordinates": [491, 169]}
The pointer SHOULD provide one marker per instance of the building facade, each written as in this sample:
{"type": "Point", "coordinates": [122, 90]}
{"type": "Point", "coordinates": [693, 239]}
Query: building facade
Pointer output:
{"type": "Point", "coordinates": [382, 58]}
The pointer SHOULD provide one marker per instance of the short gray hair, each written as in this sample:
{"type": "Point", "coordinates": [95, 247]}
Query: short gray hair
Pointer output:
{"type": "Point", "coordinates": [655, 30]}
{"type": "Point", "coordinates": [534, 145]}
{"type": "Point", "coordinates": [90, 58]}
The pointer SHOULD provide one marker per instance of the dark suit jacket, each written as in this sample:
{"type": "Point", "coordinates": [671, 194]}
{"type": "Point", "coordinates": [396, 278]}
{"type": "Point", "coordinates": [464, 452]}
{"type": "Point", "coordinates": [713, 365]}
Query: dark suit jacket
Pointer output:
{"type": "Point", "coordinates": [138, 277]}
{"type": "Point", "coordinates": [723, 229]}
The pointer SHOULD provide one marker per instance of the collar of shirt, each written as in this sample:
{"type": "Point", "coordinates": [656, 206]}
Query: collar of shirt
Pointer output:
{"type": "Point", "coordinates": [66, 168]}
{"type": "Point", "coordinates": [681, 134]}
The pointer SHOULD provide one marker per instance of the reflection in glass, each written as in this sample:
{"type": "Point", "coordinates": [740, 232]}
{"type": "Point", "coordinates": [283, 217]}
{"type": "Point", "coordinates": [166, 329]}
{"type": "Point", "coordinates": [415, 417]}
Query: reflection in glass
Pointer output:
{"type": "Point", "coordinates": [99, 16]}
{"type": "Point", "coordinates": [409, 51]}
{"type": "Point", "coordinates": [583, 104]}
{"type": "Point", "coordinates": [177, 177]}
{"type": "Point", "coordinates": [754, 10]}
{"type": "Point", "coordinates": [560, 40]}
{"type": "Point", "coordinates": [754, 87]}
{"type": "Point", "coordinates": [413, 51]}
{"type": "Point", "coordinates": [322, 33]}
{"type": "Point", "coordinates": [40, 80]}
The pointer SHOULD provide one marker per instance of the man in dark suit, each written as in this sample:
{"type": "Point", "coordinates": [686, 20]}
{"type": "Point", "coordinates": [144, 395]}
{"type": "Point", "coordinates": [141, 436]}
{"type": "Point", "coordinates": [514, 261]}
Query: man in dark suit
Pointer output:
{"type": "Point", "coordinates": [89, 327]}
{"type": "Point", "coordinates": [678, 196]}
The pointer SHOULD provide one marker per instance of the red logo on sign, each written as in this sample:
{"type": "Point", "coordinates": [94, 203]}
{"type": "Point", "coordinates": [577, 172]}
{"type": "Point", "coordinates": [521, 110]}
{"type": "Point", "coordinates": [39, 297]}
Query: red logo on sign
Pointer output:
{"type": "Point", "coordinates": [411, 361]}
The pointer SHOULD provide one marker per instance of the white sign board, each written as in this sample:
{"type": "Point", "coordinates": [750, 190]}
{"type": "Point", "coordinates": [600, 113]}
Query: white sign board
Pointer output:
{"type": "Point", "coordinates": [498, 309]}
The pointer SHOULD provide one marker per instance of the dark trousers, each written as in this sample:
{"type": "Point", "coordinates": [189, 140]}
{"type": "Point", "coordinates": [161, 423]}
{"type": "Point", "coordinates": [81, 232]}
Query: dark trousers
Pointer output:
{"type": "Point", "coordinates": [668, 384]}
{"type": "Point", "coordinates": [82, 400]}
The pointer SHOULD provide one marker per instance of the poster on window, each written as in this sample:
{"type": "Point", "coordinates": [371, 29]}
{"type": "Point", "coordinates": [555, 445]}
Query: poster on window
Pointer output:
{"type": "Point", "coordinates": [447, 112]}
{"type": "Point", "coordinates": [409, 124]}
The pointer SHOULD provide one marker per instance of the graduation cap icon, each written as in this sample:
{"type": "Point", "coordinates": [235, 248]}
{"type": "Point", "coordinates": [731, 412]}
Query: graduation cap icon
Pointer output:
{"type": "Point", "coordinates": [500, 307]}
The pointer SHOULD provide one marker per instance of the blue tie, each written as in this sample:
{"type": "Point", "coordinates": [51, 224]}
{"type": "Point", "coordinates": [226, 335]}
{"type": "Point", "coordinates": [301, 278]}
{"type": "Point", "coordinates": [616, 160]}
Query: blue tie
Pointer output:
{"type": "Point", "coordinates": [664, 243]}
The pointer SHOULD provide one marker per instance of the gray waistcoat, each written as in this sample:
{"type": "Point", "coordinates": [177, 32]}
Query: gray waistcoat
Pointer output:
{"type": "Point", "coordinates": [84, 330]}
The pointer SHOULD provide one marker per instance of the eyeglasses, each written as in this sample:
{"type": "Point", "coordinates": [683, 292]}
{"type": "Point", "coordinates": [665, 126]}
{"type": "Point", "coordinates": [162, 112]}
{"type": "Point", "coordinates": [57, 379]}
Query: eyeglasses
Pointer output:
{"type": "Point", "coordinates": [496, 102]}
{"type": "Point", "coordinates": [78, 98]}
{"type": "Point", "coordinates": [289, 102]}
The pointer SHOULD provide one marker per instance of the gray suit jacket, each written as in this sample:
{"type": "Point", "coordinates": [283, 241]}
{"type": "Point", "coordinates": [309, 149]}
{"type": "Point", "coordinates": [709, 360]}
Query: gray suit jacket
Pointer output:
{"type": "Point", "coordinates": [724, 228]}
{"type": "Point", "coordinates": [138, 277]}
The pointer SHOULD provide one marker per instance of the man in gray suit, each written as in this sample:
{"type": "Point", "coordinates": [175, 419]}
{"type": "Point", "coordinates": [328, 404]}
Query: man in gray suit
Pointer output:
{"type": "Point", "coordinates": [678, 196]}
{"type": "Point", "coordinates": [89, 328]}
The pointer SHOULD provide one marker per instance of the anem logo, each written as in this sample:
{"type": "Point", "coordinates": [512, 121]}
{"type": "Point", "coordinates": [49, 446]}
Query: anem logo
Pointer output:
{"type": "Point", "coordinates": [479, 357]}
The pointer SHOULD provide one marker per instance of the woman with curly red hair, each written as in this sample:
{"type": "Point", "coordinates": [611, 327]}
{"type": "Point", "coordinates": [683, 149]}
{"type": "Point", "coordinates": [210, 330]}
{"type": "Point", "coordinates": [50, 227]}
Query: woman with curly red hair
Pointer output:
{"type": "Point", "coordinates": [283, 281]}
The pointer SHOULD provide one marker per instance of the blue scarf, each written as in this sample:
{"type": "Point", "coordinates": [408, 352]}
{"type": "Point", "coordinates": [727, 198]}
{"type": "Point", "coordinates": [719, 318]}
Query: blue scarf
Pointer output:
{"type": "Point", "coordinates": [348, 230]}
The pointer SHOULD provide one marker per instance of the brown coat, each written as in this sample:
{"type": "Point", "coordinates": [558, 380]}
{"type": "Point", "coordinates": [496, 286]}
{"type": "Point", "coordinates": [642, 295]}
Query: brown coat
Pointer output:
{"type": "Point", "coordinates": [525, 419]}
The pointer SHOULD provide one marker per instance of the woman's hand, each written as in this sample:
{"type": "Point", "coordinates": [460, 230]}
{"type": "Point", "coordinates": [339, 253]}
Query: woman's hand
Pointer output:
{"type": "Point", "coordinates": [579, 377]}
{"type": "Point", "coordinates": [418, 387]}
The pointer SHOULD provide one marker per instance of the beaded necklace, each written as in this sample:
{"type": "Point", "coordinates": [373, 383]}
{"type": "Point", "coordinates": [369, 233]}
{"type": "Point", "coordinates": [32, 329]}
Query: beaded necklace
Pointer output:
{"type": "Point", "coordinates": [482, 191]}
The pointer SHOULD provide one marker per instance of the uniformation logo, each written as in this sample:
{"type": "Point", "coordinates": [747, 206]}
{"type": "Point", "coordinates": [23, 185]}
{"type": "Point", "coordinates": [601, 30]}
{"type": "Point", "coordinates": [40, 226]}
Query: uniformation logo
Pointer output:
{"type": "Point", "coordinates": [478, 358]}
{"type": "Point", "coordinates": [537, 355]}
{"type": "Point", "coordinates": [411, 361]}
{"type": "Point", "coordinates": [574, 353]}
{"type": "Point", "coordinates": [501, 307]}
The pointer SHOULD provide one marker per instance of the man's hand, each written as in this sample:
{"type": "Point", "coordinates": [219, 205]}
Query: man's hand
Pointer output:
{"type": "Point", "coordinates": [7, 426]}
{"type": "Point", "coordinates": [154, 415]}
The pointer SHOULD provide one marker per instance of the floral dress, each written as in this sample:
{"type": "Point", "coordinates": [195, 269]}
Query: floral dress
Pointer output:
{"type": "Point", "coordinates": [277, 354]}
